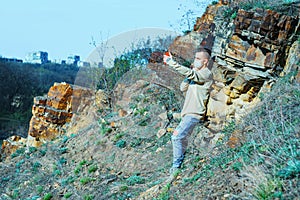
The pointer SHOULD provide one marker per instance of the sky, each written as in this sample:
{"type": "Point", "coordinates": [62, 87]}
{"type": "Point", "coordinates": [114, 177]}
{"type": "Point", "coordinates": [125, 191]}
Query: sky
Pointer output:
{"type": "Point", "coordinates": [66, 27]}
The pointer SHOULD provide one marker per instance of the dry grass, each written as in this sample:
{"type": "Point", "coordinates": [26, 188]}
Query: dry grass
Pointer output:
{"type": "Point", "coordinates": [274, 168]}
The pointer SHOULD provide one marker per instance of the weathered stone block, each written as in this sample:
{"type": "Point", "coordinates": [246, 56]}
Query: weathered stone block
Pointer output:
{"type": "Point", "coordinates": [40, 100]}
{"type": "Point", "coordinates": [51, 113]}
{"type": "Point", "coordinates": [59, 96]}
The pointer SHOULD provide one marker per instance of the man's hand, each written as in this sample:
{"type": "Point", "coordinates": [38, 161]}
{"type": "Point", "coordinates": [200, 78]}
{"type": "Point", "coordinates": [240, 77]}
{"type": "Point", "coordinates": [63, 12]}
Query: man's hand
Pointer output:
{"type": "Point", "coordinates": [168, 60]}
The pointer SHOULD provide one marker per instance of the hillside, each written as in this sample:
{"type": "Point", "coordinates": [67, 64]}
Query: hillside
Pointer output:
{"type": "Point", "coordinates": [85, 144]}
{"type": "Point", "coordinates": [112, 157]}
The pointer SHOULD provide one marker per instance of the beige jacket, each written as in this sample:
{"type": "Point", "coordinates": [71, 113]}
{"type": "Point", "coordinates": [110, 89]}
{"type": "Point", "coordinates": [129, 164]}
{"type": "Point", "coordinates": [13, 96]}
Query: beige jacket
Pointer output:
{"type": "Point", "coordinates": [196, 86]}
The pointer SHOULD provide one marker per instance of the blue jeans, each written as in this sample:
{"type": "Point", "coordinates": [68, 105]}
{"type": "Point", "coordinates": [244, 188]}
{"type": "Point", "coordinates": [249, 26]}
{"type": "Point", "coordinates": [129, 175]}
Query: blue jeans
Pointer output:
{"type": "Point", "coordinates": [180, 138]}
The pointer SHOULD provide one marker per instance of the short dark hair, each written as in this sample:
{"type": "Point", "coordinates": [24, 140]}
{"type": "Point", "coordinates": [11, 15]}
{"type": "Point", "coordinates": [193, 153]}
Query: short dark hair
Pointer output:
{"type": "Point", "coordinates": [202, 49]}
{"type": "Point", "coordinates": [208, 55]}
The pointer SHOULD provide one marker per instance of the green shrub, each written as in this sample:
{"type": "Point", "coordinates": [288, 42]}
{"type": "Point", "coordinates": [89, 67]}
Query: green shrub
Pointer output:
{"type": "Point", "coordinates": [63, 150]}
{"type": "Point", "coordinates": [121, 143]}
{"type": "Point", "coordinates": [88, 197]}
{"type": "Point", "coordinates": [132, 180]}
{"type": "Point", "coordinates": [228, 13]}
{"type": "Point", "coordinates": [57, 172]}
{"type": "Point", "coordinates": [144, 120]}
{"type": "Point", "coordinates": [36, 166]}
{"type": "Point", "coordinates": [118, 136]}
{"type": "Point", "coordinates": [83, 162]}
{"type": "Point", "coordinates": [86, 180]}
{"type": "Point", "coordinates": [62, 161]}
{"type": "Point", "coordinates": [15, 194]}
{"type": "Point", "coordinates": [42, 152]}
{"type": "Point", "coordinates": [164, 195]}
{"type": "Point", "coordinates": [79, 166]}
{"type": "Point", "coordinates": [233, 15]}
{"type": "Point", "coordinates": [77, 170]}
{"type": "Point", "coordinates": [39, 189]}
{"type": "Point", "coordinates": [105, 128]}
{"type": "Point", "coordinates": [67, 195]}
{"type": "Point", "coordinates": [270, 190]}
{"type": "Point", "coordinates": [20, 163]}
{"type": "Point", "coordinates": [65, 139]}
{"type": "Point", "coordinates": [237, 166]}
{"type": "Point", "coordinates": [123, 188]}
{"type": "Point", "coordinates": [67, 180]}
{"type": "Point", "coordinates": [5, 178]}
{"type": "Point", "coordinates": [292, 169]}
{"type": "Point", "coordinates": [140, 111]}
{"type": "Point", "coordinates": [48, 196]}
{"type": "Point", "coordinates": [32, 149]}
{"type": "Point", "coordinates": [92, 168]}
{"type": "Point", "coordinates": [18, 152]}
{"type": "Point", "coordinates": [136, 142]}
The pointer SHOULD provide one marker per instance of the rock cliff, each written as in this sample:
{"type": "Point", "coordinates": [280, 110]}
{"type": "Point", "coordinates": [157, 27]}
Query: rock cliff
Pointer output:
{"type": "Point", "coordinates": [249, 50]}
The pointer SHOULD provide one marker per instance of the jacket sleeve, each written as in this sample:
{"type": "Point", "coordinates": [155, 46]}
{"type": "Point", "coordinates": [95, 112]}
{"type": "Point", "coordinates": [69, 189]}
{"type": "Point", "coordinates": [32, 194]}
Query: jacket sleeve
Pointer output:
{"type": "Point", "coordinates": [184, 85]}
{"type": "Point", "coordinates": [200, 76]}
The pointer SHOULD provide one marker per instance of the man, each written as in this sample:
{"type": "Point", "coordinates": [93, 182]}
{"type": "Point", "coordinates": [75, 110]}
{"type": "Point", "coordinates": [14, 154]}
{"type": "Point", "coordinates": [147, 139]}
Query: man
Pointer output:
{"type": "Point", "coordinates": [196, 87]}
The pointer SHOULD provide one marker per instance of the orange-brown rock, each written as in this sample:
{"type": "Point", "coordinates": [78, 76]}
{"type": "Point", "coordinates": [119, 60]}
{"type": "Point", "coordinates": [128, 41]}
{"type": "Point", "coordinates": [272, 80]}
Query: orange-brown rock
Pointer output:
{"type": "Point", "coordinates": [59, 96]}
{"type": "Point", "coordinates": [261, 36]}
{"type": "Point", "coordinates": [51, 113]}
{"type": "Point", "coordinates": [205, 22]}
{"type": "Point", "coordinates": [235, 139]}
{"type": "Point", "coordinates": [11, 144]}
{"type": "Point", "coordinates": [81, 98]}
{"type": "Point", "coordinates": [122, 113]}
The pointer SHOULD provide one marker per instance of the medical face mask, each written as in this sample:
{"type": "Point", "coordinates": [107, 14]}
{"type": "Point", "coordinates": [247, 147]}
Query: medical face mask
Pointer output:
{"type": "Point", "coordinates": [198, 64]}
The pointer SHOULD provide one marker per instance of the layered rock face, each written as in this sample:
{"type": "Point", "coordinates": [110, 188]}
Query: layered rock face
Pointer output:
{"type": "Point", "coordinates": [50, 113]}
{"type": "Point", "coordinates": [248, 51]}
{"type": "Point", "coordinates": [262, 39]}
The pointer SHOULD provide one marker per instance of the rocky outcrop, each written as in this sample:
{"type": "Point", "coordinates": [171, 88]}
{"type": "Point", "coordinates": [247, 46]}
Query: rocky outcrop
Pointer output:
{"type": "Point", "coordinates": [249, 50]}
{"type": "Point", "coordinates": [53, 114]}
{"type": "Point", "coordinates": [11, 144]}
{"type": "Point", "coordinates": [262, 38]}
{"type": "Point", "coordinates": [256, 51]}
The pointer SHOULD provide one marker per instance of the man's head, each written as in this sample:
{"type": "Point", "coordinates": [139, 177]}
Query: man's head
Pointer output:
{"type": "Point", "coordinates": [201, 60]}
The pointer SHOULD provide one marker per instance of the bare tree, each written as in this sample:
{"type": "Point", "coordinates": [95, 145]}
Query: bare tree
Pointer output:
{"type": "Point", "coordinates": [101, 48]}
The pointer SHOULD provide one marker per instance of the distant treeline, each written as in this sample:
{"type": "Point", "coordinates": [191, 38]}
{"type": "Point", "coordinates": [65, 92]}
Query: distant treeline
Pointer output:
{"type": "Point", "coordinates": [19, 84]}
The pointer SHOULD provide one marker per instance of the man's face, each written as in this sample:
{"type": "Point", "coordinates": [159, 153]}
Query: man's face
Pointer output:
{"type": "Point", "coordinates": [200, 61]}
